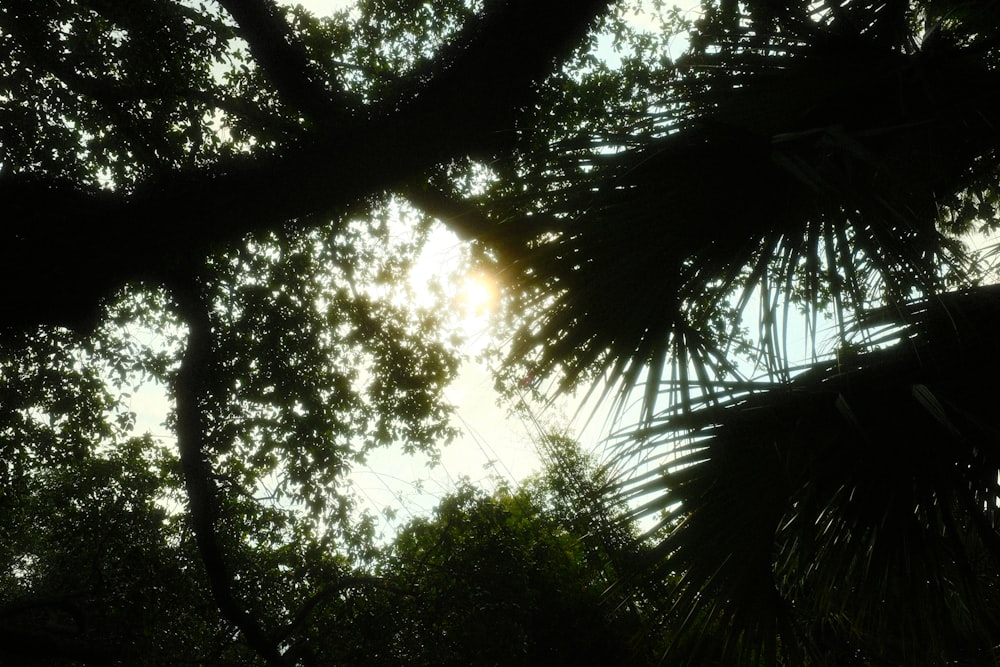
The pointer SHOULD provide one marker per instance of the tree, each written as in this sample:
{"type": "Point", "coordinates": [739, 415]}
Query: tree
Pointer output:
{"type": "Point", "coordinates": [220, 173]}
{"type": "Point", "coordinates": [288, 104]}
{"type": "Point", "coordinates": [819, 156]}
{"type": "Point", "coordinates": [492, 580]}
{"type": "Point", "coordinates": [826, 509]}
{"type": "Point", "coordinates": [516, 577]}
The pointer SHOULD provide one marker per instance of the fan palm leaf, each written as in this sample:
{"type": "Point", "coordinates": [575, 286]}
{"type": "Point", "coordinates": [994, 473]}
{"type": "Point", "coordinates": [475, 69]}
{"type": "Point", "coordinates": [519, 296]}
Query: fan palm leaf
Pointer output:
{"type": "Point", "coordinates": [848, 515]}
{"type": "Point", "coordinates": [844, 512]}
{"type": "Point", "coordinates": [813, 155]}
{"type": "Point", "coordinates": [811, 165]}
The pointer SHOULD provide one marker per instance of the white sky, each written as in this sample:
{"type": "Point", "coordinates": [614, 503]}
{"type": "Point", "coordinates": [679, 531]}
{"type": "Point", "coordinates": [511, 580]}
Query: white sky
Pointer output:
{"type": "Point", "coordinates": [493, 447]}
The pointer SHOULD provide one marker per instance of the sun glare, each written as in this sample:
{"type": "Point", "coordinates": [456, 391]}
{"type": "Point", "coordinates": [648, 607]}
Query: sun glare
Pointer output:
{"type": "Point", "coordinates": [479, 295]}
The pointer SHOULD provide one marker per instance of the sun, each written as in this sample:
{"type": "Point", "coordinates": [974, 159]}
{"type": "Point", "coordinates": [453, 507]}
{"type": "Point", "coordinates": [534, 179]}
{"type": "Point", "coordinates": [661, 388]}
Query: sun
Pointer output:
{"type": "Point", "coordinates": [478, 295]}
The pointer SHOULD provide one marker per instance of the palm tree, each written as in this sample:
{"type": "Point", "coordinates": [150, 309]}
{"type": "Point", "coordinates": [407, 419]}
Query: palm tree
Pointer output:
{"type": "Point", "coordinates": [851, 511]}
{"type": "Point", "coordinates": [821, 156]}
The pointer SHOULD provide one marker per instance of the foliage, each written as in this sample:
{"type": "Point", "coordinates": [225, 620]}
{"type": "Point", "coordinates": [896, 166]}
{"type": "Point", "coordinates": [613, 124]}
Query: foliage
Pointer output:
{"type": "Point", "coordinates": [321, 358]}
{"type": "Point", "coordinates": [162, 156]}
{"type": "Point", "coordinates": [513, 578]}
{"type": "Point", "coordinates": [825, 158]}
{"type": "Point", "coordinates": [227, 175]}
{"type": "Point", "coordinates": [495, 582]}
{"type": "Point", "coordinates": [798, 506]}
{"type": "Point", "coordinates": [865, 141]}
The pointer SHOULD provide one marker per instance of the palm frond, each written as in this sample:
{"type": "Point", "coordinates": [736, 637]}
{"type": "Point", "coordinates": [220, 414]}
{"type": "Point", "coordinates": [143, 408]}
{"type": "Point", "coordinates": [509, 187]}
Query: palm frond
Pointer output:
{"type": "Point", "coordinates": [851, 513]}
{"type": "Point", "coordinates": [805, 166]}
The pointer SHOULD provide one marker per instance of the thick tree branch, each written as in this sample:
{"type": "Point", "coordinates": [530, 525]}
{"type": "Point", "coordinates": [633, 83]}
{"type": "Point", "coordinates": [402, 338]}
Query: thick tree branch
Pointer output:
{"type": "Point", "coordinates": [283, 58]}
{"type": "Point", "coordinates": [192, 403]}
{"type": "Point", "coordinates": [467, 103]}
{"type": "Point", "coordinates": [469, 222]}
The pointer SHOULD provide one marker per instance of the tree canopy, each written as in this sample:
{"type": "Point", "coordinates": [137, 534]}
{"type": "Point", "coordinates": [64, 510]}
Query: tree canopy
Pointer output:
{"type": "Point", "coordinates": [225, 198]}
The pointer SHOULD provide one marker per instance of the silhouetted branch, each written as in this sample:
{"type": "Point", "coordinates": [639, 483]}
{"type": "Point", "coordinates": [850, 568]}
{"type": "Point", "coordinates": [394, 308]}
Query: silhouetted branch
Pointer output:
{"type": "Point", "coordinates": [462, 217]}
{"type": "Point", "coordinates": [467, 102]}
{"type": "Point", "coordinates": [190, 395]}
{"type": "Point", "coordinates": [283, 58]}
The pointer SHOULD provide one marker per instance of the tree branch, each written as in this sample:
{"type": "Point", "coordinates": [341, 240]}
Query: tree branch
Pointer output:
{"type": "Point", "coordinates": [192, 403]}
{"type": "Point", "coordinates": [283, 59]}
{"type": "Point", "coordinates": [465, 219]}
{"type": "Point", "coordinates": [468, 103]}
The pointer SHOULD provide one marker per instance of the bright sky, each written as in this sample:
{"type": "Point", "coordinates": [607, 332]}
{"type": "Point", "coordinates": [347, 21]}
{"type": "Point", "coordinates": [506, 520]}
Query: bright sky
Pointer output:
{"type": "Point", "coordinates": [493, 448]}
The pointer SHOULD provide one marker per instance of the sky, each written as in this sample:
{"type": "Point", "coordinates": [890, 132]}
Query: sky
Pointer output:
{"type": "Point", "coordinates": [494, 447]}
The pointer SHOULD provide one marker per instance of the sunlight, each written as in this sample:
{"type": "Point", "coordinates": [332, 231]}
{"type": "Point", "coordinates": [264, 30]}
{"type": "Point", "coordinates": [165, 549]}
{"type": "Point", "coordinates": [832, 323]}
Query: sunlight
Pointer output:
{"type": "Point", "coordinates": [442, 278]}
{"type": "Point", "coordinates": [478, 295]}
